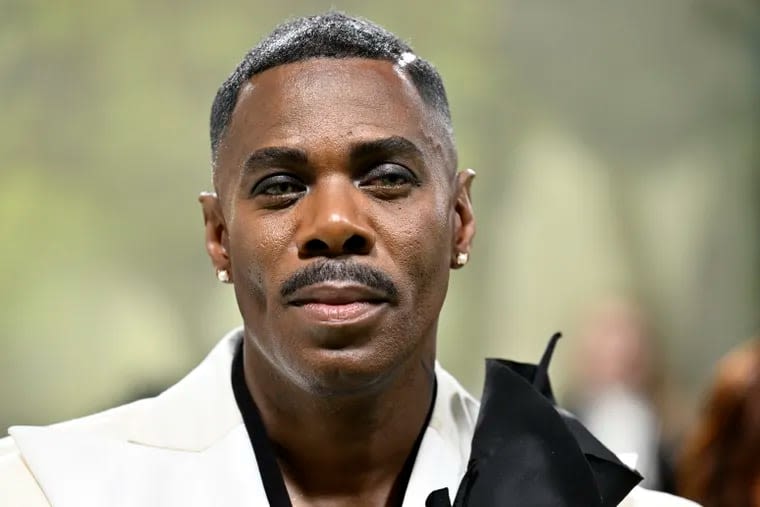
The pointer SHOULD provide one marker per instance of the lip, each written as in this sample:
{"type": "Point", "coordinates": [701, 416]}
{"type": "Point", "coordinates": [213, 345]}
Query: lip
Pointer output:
{"type": "Point", "coordinates": [338, 303]}
{"type": "Point", "coordinates": [350, 313]}
{"type": "Point", "coordinates": [336, 294]}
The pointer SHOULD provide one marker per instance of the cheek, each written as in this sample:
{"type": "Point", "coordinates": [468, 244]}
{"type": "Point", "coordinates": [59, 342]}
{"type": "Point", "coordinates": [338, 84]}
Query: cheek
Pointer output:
{"type": "Point", "coordinates": [419, 240]}
{"type": "Point", "coordinates": [257, 245]}
{"type": "Point", "coordinates": [432, 262]}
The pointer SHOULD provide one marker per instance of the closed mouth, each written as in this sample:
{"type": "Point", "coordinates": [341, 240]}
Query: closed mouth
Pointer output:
{"type": "Point", "coordinates": [337, 294]}
{"type": "Point", "coordinates": [339, 304]}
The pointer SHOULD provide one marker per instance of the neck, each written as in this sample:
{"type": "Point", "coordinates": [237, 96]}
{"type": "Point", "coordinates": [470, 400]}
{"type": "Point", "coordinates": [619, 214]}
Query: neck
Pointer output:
{"type": "Point", "coordinates": [343, 446]}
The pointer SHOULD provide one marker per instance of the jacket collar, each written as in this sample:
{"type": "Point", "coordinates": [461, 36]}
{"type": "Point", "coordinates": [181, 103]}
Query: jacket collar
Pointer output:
{"type": "Point", "coordinates": [205, 397]}
{"type": "Point", "coordinates": [198, 411]}
{"type": "Point", "coordinates": [188, 446]}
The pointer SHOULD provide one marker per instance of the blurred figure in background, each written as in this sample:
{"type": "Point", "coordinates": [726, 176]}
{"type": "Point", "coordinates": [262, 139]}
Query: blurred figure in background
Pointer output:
{"type": "Point", "coordinates": [720, 462]}
{"type": "Point", "coordinates": [617, 387]}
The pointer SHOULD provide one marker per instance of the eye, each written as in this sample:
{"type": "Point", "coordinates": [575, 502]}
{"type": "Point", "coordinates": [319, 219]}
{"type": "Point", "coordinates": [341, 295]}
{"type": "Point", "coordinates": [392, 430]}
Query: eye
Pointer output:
{"type": "Point", "coordinates": [278, 185]}
{"type": "Point", "coordinates": [389, 176]}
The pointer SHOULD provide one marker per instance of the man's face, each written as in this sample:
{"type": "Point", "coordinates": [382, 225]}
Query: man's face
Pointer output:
{"type": "Point", "coordinates": [338, 217]}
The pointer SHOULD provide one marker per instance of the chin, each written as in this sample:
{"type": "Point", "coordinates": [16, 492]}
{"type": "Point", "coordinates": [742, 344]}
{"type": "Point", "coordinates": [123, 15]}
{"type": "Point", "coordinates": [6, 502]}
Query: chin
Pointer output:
{"type": "Point", "coordinates": [347, 371]}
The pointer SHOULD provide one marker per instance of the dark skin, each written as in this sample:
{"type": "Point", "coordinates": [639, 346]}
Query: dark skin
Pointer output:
{"type": "Point", "coordinates": [338, 160]}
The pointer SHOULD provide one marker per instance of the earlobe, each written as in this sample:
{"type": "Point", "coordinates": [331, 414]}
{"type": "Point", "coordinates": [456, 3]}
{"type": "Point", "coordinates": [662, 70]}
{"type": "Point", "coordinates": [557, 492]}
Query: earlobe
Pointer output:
{"type": "Point", "coordinates": [216, 235]}
{"type": "Point", "coordinates": [464, 227]}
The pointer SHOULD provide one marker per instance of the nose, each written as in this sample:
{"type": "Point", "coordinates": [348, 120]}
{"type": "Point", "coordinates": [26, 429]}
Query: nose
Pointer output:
{"type": "Point", "coordinates": [333, 223]}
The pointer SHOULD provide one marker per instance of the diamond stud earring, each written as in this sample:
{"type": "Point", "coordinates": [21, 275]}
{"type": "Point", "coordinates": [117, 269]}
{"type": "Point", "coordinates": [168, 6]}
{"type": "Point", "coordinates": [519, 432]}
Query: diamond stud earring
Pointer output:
{"type": "Point", "coordinates": [462, 258]}
{"type": "Point", "coordinates": [223, 275]}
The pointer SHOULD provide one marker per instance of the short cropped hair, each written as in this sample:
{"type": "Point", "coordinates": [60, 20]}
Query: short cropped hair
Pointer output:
{"type": "Point", "coordinates": [329, 35]}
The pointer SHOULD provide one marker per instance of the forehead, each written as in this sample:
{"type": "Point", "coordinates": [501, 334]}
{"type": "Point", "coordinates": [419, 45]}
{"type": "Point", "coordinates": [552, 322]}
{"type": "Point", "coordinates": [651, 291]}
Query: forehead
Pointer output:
{"type": "Point", "coordinates": [322, 104]}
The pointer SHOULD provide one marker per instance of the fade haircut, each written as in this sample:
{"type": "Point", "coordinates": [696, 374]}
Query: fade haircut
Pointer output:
{"type": "Point", "coordinates": [329, 35]}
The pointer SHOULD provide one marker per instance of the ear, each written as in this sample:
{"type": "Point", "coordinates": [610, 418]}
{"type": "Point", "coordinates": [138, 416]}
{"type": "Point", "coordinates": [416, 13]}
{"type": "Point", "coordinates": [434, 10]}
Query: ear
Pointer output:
{"type": "Point", "coordinates": [217, 239]}
{"type": "Point", "coordinates": [464, 226]}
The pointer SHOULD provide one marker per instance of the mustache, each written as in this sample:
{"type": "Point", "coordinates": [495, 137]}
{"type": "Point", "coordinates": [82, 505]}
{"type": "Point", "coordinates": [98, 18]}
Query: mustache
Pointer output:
{"type": "Point", "coordinates": [339, 271]}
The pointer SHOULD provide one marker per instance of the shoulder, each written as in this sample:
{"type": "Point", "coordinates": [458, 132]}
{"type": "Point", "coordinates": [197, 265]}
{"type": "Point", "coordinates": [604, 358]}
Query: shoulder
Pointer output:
{"type": "Point", "coordinates": [640, 497]}
{"type": "Point", "coordinates": [112, 422]}
{"type": "Point", "coordinates": [17, 484]}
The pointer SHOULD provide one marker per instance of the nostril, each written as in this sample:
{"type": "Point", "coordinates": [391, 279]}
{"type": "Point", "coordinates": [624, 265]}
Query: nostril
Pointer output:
{"type": "Point", "coordinates": [355, 244]}
{"type": "Point", "coordinates": [316, 247]}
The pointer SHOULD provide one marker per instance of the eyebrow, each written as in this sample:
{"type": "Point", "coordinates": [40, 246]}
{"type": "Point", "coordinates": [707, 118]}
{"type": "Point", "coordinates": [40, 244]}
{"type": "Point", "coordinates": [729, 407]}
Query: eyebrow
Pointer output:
{"type": "Point", "coordinates": [275, 156]}
{"type": "Point", "coordinates": [388, 146]}
{"type": "Point", "coordinates": [287, 157]}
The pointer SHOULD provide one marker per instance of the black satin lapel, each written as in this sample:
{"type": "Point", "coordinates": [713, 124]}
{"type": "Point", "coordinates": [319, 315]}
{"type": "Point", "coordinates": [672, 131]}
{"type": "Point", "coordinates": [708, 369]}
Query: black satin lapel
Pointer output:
{"type": "Point", "coordinates": [541, 376]}
{"type": "Point", "coordinates": [523, 455]}
{"type": "Point", "coordinates": [438, 498]}
{"type": "Point", "coordinates": [526, 452]}
{"type": "Point", "coordinates": [614, 479]}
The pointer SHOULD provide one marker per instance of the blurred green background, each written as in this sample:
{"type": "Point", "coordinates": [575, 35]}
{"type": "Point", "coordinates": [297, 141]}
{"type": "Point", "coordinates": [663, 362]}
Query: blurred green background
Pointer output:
{"type": "Point", "coordinates": [616, 145]}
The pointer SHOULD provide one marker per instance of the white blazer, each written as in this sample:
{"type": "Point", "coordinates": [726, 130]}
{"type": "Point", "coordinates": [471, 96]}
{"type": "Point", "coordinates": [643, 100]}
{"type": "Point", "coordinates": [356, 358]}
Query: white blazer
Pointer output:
{"type": "Point", "coordinates": [188, 447]}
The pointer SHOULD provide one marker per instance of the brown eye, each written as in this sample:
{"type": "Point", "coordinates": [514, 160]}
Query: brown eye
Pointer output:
{"type": "Point", "coordinates": [278, 185]}
{"type": "Point", "coordinates": [388, 176]}
{"type": "Point", "coordinates": [280, 188]}
{"type": "Point", "coordinates": [390, 180]}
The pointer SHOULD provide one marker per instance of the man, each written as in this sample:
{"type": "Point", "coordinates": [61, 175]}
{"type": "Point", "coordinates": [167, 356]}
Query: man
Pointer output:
{"type": "Point", "coordinates": [337, 215]}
